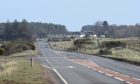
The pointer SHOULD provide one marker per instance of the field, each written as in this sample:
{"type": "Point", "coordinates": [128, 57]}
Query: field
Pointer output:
{"type": "Point", "coordinates": [16, 69]}
{"type": "Point", "coordinates": [62, 45]}
{"type": "Point", "coordinates": [128, 54]}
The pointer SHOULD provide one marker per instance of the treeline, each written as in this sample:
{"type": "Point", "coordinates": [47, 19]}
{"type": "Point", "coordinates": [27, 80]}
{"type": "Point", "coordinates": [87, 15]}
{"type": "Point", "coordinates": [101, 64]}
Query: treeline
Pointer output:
{"type": "Point", "coordinates": [114, 31]}
{"type": "Point", "coordinates": [47, 29]}
{"type": "Point", "coordinates": [25, 30]}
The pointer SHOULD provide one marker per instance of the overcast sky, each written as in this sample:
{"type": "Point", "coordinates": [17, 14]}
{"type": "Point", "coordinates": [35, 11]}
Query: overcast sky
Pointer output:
{"type": "Point", "coordinates": [72, 13]}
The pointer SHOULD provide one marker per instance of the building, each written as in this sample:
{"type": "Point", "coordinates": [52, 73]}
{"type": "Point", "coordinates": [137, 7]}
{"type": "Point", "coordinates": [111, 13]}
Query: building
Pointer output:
{"type": "Point", "coordinates": [90, 34]}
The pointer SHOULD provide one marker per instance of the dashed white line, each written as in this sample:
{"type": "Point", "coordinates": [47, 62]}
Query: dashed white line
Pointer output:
{"type": "Point", "coordinates": [70, 67]}
{"type": "Point", "coordinates": [108, 75]}
{"type": "Point", "coordinates": [94, 69]}
{"type": "Point", "coordinates": [89, 67]}
{"type": "Point", "coordinates": [118, 79]}
{"type": "Point", "coordinates": [100, 71]}
{"type": "Point", "coordinates": [129, 83]}
{"type": "Point", "coordinates": [108, 70]}
{"type": "Point", "coordinates": [136, 78]}
{"type": "Point", "coordinates": [115, 72]}
{"type": "Point", "coordinates": [97, 66]}
{"type": "Point", "coordinates": [125, 75]}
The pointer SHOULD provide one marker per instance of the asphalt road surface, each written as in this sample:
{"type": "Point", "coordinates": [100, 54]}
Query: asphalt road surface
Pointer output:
{"type": "Point", "coordinates": [74, 73]}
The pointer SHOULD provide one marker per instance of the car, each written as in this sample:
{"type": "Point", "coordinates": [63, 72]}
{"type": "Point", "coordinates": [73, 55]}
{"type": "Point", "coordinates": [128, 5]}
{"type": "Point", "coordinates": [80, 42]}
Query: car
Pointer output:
{"type": "Point", "coordinates": [46, 46]}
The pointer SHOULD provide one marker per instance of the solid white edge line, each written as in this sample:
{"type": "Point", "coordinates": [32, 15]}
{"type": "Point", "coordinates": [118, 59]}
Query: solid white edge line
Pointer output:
{"type": "Point", "coordinates": [46, 67]}
{"type": "Point", "coordinates": [65, 82]}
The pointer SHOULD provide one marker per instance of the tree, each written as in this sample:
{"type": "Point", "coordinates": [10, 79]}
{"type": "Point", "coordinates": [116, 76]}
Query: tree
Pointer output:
{"type": "Point", "coordinates": [7, 31]}
{"type": "Point", "coordinates": [14, 30]}
{"type": "Point", "coordinates": [24, 31]}
{"type": "Point", "coordinates": [105, 24]}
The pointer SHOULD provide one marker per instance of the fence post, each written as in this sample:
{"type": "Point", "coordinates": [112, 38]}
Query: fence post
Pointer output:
{"type": "Point", "coordinates": [31, 61]}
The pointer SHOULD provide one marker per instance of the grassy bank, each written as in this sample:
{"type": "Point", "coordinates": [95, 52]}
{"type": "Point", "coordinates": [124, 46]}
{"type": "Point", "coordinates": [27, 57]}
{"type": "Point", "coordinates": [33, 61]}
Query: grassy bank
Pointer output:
{"type": "Point", "coordinates": [127, 54]}
{"type": "Point", "coordinates": [16, 69]}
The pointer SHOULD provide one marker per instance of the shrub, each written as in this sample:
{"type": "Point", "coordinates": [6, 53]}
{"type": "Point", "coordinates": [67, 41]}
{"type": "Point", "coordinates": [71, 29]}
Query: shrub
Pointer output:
{"type": "Point", "coordinates": [4, 46]}
{"type": "Point", "coordinates": [105, 51]}
{"type": "Point", "coordinates": [31, 46]}
{"type": "Point", "coordinates": [82, 42]}
{"type": "Point", "coordinates": [113, 44]}
{"type": "Point", "coordinates": [2, 51]}
{"type": "Point", "coordinates": [17, 46]}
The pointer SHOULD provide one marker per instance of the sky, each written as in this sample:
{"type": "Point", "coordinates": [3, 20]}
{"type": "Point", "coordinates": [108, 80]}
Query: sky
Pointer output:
{"type": "Point", "coordinates": [72, 13]}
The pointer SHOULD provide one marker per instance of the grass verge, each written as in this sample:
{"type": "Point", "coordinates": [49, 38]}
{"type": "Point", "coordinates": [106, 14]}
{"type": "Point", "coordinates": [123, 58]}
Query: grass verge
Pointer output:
{"type": "Point", "coordinates": [16, 69]}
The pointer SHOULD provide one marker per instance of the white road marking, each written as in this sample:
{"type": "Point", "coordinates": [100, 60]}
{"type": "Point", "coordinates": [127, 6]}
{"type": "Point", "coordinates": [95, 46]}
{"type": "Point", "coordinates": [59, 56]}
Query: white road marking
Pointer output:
{"type": "Point", "coordinates": [136, 78]}
{"type": "Point", "coordinates": [108, 75]}
{"type": "Point", "coordinates": [118, 79]}
{"type": "Point", "coordinates": [70, 67]}
{"type": "Point", "coordinates": [108, 70]}
{"type": "Point", "coordinates": [115, 72]}
{"type": "Point", "coordinates": [129, 83]}
{"type": "Point", "coordinates": [65, 82]}
{"type": "Point", "coordinates": [57, 52]}
{"type": "Point", "coordinates": [95, 69]}
{"type": "Point", "coordinates": [47, 67]}
{"type": "Point", "coordinates": [100, 71]}
{"type": "Point", "coordinates": [125, 75]}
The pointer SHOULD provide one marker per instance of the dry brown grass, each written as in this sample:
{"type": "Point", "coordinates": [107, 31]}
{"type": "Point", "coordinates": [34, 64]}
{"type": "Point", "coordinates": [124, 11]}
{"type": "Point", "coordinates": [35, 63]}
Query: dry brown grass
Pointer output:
{"type": "Point", "coordinates": [16, 69]}
{"type": "Point", "coordinates": [8, 68]}
{"type": "Point", "coordinates": [128, 54]}
{"type": "Point", "coordinates": [62, 45]}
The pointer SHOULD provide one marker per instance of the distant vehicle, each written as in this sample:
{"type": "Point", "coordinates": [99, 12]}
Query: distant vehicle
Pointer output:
{"type": "Point", "coordinates": [46, 46]}
{"type": "Point", "coordinates": [102, 36]}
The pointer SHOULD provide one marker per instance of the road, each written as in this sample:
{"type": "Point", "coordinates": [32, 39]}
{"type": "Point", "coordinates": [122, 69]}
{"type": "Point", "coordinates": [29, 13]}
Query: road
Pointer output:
{"type": "Point", "coordinates": [77, 68]}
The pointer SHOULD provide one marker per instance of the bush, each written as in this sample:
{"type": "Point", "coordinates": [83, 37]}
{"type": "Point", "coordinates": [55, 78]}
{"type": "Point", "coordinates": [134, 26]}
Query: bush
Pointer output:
{"type": "Point", "coordinates": [4, 46]}
{"type": "Point", "coordinates": [17, 46]}
{"type": "Point", "coordinates": [2, 51]}
{"type": "Point", "coordinates": [31, 46]}
{"type": "Point", "coordinates": [82, 42]}
{"type": "Point", "coordinates": [113, 44]}
{"type": "Point", "coordinates": [105, 51]}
